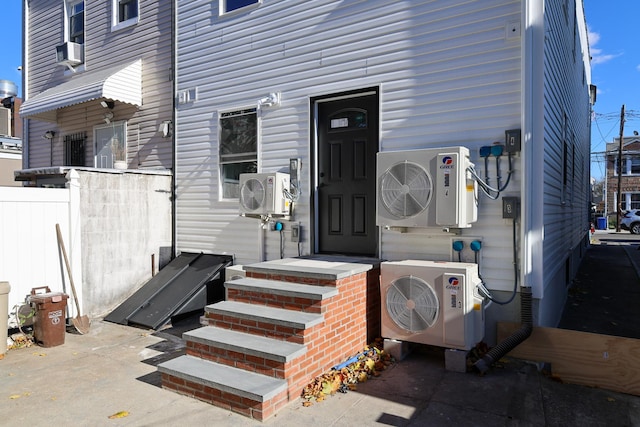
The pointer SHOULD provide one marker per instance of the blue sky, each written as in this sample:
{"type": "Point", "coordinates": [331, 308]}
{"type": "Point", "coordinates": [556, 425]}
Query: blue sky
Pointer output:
{"type": "Point", "coordinates": [615, 70]}
{"type": "Point", "coordinates": [615, 53]}
{"type": "Point", "coordinates": [11, 50]}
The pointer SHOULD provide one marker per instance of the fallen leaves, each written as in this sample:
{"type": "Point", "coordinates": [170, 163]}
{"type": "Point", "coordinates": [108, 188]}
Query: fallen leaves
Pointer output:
{"type": "Point", "coordinates": [345, 377]}
{"type": "Point", "coordinates": [120, 414]}
{"type": "Point", "coordinates": [18, 396]}
{"type": "Point", "coordinates": [20, 341]}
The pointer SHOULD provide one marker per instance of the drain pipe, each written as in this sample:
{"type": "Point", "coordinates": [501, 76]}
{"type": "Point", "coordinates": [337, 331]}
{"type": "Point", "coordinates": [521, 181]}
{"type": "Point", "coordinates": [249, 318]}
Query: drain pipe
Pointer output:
{"type": "Point", "coordinates": [516, 338]}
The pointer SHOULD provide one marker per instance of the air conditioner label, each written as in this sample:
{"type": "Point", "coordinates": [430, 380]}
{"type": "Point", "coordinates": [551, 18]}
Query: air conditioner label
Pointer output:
{"type": "Point", "coordinates": [454, 299]}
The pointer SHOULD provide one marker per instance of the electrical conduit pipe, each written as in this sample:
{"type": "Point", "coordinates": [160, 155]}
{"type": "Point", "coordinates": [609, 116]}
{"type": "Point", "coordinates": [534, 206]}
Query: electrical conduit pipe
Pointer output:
{"type": "Point", "coordinates": [4, 315]}
{"type": "Point", "coordinates": [516, 338]}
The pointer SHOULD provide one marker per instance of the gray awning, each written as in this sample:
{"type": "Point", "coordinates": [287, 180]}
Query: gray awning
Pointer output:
{"type": "Point", "coordinates": [121, 83]}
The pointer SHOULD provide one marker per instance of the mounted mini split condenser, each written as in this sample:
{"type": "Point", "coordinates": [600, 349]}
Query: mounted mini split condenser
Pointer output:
{"type": "Point", "coordinates": [425, 188]}
{"type": "Point", "coordinates": [264, 194]}
{"type": "Point", "coordinates": [434, 303]}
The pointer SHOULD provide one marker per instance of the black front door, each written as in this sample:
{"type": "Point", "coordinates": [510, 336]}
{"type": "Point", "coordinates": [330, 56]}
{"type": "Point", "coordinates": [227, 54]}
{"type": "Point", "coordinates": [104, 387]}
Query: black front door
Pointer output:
{"type": "Point", "coordinates": [347, 132]}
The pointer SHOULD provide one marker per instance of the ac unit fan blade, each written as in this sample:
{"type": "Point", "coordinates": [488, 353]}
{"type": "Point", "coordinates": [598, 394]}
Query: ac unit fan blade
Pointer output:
{"type": "Point", "coordinates": [412, 304]}
{"type": "Point", "coordinates": [405, 189]}
{"type": "Point", "coordinates": [252, 194]}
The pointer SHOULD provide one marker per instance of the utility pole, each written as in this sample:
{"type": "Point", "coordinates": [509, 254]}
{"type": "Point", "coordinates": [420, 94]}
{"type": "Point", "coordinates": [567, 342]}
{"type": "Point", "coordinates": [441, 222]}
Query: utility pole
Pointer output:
{"type": "Point", "coordinates": [619, 196]}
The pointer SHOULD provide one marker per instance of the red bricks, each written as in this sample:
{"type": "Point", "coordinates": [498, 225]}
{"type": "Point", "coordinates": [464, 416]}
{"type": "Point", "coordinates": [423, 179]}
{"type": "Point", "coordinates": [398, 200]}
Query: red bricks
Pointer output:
{"type": "Point", "coordinates": [351, 319]}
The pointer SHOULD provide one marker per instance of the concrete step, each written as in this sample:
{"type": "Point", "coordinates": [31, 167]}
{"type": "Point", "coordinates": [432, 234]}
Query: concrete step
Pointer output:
{"type": "Point", "coordinates": [275, 316]}
{"type": "Point", "coordinates": [248, 344]}
{"type": "Point", "coordinates": [294, 290]}
{"type": "Point", "coordinates": [330, 268]}
{"type": "Point", "coordinates": [257, 396]}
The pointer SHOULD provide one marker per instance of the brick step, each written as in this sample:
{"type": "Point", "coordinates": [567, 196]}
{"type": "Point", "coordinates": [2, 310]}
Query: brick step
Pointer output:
{"type": "Point", "coordinates": [254, 353]}
{"type": "Point", "coordinates": [288, 325]}
{"type": "Point", "coordinates": [254, 395]}
{"type": "Point", "coordinates": [292, 296]}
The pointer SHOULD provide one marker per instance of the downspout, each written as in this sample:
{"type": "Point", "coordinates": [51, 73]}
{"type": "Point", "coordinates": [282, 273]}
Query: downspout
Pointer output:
{"type": "Point", "coordinates": [25, 68]}
{"type": "Point", "coordinates": [511, 342]}
{"type": "Point", "coordinates": [174, 139]}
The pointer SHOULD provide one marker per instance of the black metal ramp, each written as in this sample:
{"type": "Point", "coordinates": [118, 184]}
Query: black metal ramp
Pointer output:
{"type": "Point", "coordinates": [180, 287]}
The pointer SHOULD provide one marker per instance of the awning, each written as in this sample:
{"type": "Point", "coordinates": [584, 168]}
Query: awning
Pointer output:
{"type": "Point", "coordinates": [120, 83]}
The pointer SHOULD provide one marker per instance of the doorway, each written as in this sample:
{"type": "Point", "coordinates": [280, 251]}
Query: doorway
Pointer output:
{"type": "Point", "coordinates": [346, 144]}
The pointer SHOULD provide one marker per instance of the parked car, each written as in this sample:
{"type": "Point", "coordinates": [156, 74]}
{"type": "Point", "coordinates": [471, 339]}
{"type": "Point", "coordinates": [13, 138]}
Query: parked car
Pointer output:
{"type": "Point", "coordinates": [631, 221]}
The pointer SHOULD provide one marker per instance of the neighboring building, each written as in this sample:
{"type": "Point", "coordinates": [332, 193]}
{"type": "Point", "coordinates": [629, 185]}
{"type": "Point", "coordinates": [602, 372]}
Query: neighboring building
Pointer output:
{"type": "Point", "coordinates": [629, 152]}
{"type": "Point", "coordinates": [99, 79]}
{"type": "Point", "coordinates": [333, 83]}
{"type": "Point", "coordinates": [97, 88]}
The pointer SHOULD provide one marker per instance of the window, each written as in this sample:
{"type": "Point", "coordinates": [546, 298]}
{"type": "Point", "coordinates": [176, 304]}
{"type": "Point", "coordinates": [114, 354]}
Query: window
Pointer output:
{"type": "Point", "coordinates": [124, 13]}
{"type": "Point", "coordinates": [111, 145]}
{"type": "Point", "coordinates": [75, 21]}
{"type": "Point", "coordinates": [74, 149]}
{"type": "Point", "coordinates": [630, 166]}
{"type": "Point", "coordinates": [634, 201]}
{"type": "Point", "coordinates": [238, 149]}
{"type": "Point", "coordinates": [227, 6]}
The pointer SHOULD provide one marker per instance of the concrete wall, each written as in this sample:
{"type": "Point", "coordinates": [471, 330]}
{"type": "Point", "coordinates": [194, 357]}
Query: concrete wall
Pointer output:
{"type": "Point", "coordinates": [126, 218]}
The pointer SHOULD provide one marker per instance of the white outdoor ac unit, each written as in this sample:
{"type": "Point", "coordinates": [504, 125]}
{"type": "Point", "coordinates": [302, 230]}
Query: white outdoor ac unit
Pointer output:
{"type": "Point", "coordinates": [434, 303]}
{"type": "Point", "coordinates": [69, 53]}
{"type": "Point", "coordinates": [264, 194]}
{"type": "Point", "coordinates": [425, 188]}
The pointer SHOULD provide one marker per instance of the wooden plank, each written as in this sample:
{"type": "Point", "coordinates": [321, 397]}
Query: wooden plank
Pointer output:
{"type": "Point", "coordinates": [583, 358]}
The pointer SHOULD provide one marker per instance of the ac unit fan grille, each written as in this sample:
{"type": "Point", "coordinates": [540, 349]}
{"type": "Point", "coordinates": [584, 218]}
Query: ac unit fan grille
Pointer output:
{"type": "Point", "coordinates": [252, 194]}
{"type": "Point", "coordinates": [412, 304]}
{"type": "Point", "coordinates": [405, 189]}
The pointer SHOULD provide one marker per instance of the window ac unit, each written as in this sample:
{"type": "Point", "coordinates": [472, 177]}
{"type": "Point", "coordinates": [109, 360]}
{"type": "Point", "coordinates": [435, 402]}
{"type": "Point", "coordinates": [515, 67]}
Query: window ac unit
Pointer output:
{"type": "Point", "coordinates": [425, 188]}
{"type": "Point", "coordinates": [264, 194]}
{"type": "Point", "coordinates": [69, 53]}
{"type": "Point", "coordinates": [434, 303]}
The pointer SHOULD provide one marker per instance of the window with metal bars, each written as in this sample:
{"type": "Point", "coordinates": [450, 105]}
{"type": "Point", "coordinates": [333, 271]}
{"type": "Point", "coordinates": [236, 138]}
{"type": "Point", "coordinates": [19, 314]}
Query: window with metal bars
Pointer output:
{"type": "Point", "coordinates": [74, 151]}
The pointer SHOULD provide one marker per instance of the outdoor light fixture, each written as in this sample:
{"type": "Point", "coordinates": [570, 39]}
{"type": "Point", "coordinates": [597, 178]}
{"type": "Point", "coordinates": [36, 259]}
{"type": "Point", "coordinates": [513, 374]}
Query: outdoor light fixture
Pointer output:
{"type": "Point", "coordinates": [165, 128]}
{"type": "Point", "coordinates": [49, 134]}
{"type": "Point", "coordinates": [108, 117]}
{"type": "Point", "coordinates": [107, 104]}
{"type": "Point", "coordinates": [270, 100]}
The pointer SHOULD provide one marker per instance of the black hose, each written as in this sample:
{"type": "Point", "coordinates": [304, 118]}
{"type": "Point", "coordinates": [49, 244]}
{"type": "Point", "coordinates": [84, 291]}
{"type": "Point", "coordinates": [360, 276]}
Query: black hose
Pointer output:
{"type": "Point", "coordinates": [516, 338]}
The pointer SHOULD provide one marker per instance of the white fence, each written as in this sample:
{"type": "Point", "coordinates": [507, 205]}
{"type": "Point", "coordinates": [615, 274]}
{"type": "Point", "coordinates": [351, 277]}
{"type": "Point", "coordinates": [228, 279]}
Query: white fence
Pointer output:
{"type": "Point", "coordinates": [29, 252]}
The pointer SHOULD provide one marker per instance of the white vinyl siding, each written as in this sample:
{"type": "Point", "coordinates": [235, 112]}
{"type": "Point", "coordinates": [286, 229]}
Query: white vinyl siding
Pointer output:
{"type": "Point", "coordinates": [566, 144]}
{"type": "Point", "coordinates": [446, 73]}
